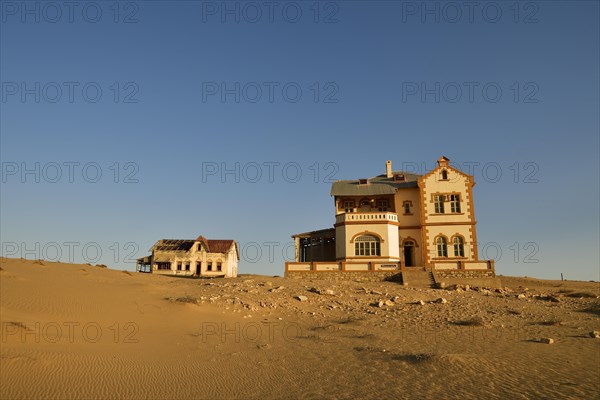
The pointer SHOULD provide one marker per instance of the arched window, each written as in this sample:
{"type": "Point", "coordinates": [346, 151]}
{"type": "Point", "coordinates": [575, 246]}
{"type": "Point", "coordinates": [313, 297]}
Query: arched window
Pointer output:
{"type": "Point", "coordinates": [459, 246]}
{"type": "Point", "coordinates": [442, 246]}
{"type": "Point", "coordinates": [444, 174]}
{"type": "Point", "coordinates": [367, 245]}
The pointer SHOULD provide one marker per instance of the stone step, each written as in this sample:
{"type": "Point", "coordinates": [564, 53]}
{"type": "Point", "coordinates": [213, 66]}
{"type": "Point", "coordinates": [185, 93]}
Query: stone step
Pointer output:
{"type": "Point", "coordinates": [418, 278]}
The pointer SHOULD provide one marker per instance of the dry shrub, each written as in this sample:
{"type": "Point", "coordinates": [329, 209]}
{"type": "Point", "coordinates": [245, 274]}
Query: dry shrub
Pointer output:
{"type": "Point", "coordinates": [548, 323]}
{"type": "Point", "coordinates": [364, 336]}
{"type": "Point", "coordinates": [587, 295]}
{"type": "Point", "coordinates": [593, 309]}
{"type": "Point", "coordinates": [350, 320]}
{"type": "Point", "coordinates": [18, 325]}
{"type": "Point", "coordinates": [475, 321]}
{"type": "Point", "coordinates": [186, 299]}
{"type": "Point", "coordinates": [416, 358]}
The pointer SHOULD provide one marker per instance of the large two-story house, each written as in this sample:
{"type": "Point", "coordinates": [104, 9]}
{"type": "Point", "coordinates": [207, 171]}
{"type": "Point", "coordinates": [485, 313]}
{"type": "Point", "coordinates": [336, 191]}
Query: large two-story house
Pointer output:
{"type": "Point", "coordinates": [396, 220]}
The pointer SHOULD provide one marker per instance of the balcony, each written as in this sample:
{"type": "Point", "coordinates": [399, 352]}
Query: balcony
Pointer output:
{"type": "Point", "coordinates": [366, 217]}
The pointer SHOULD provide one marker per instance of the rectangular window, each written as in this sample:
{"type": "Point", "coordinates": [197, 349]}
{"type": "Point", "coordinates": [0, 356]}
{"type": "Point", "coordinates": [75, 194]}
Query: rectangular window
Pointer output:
{"type": "Point", "coordinates": [382, 205]}
{"type": "Point", "coordinates": [367, 248]}
{"type": "Point", "coordinates": [455, 203]}
{"type": "Point", "coordinates": [406, 206]}
{"type": "Point", "coordinates": [438, 199]}
{"type": "Point", "coordinates": [187, 265]}
{"type": "Point", "coordinates": [348, 206]}
{"type": "Point", "coordinates": [209, 266]}
{"type": "Point", "coordinates": [179, 266]}
{"type": "Point", "coordinates": [218, 266]}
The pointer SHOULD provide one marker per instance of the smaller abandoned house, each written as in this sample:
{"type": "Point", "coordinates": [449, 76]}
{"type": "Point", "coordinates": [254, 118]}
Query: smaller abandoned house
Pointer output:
{"type": "Point", "coordinates": [200, 257]}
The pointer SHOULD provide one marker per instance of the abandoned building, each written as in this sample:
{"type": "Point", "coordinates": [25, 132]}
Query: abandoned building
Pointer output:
{"type": "Point", "coordinates": [200, 257]}
{"type": "Point", "coordinates": [397, 221]}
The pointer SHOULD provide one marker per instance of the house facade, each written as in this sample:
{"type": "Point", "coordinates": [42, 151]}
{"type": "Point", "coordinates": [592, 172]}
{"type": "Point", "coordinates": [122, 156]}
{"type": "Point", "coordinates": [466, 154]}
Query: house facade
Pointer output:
{"type": "Point", "coordinates": [200, 257]}
{"type": "Point", "coordinates": [397, 220]}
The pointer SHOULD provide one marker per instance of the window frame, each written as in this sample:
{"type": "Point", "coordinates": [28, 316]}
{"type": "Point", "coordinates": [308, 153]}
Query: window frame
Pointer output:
{"type": "Point", "coordinates": [367, 246]}
{"type": "Point", "coordinates": [441, 244]}
{"type": "Point", "coordinates": [383, 205]}
{"type": "Point", "coordinates": [458, 243]}
{"type": "Point", "coordinates": [455, 203]}
{"type": "Point", "coordinates": [407, 207]}
{"type": "Point", "coordinates": [348, 205]}
{"type": "Point", "coordinates": [438, 203]}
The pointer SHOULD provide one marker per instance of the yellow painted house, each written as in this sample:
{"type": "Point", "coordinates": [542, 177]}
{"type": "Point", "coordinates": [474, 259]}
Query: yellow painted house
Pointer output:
{"type": "Point", "coordinates": [395, 221]}
{"type": "Point", "coordinates": [198, 257]}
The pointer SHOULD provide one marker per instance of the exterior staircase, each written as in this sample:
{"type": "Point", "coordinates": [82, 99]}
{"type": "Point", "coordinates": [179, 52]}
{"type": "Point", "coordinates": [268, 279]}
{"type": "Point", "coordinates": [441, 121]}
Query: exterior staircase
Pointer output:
{"type": "Point", "coordinates": [418, 277]}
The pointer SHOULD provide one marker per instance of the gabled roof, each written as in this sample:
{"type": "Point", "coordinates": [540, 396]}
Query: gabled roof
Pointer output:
{"type": "Point", "coordinates": [184, 245]}
{"type": "Point", "coordinates": [173, 245]}
{"type": "Point", "coordinates": [219, 246]}
{"type": "Point", "coordinates": [444, 163]}
{"type": "Point", "coordinates": [378, 185]}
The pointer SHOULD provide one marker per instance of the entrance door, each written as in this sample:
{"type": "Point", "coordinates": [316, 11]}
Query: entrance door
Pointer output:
{"type": "Point", "coordinates": [409, 253]}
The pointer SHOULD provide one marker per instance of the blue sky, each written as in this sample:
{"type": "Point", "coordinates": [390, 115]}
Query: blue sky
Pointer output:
{"type": "Point", "coordinates": [127, 116]}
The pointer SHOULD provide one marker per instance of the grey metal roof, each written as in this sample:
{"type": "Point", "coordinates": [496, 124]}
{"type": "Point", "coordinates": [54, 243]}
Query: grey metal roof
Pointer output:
{"type": "Point", "coordinates": [327, 231]}
{"type": "Point", "coordinates": [378, 185]}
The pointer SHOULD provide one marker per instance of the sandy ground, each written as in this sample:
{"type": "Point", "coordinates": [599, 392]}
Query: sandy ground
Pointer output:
{"type": "Point", "coordinates": [79, 331]}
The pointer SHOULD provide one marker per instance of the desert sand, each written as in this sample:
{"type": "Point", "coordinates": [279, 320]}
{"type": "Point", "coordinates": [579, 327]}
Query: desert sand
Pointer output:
{"type": "Point", "coordinates": [80, 331]}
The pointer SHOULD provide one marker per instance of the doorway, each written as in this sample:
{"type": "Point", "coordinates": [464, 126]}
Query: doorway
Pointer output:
{"type": "Point", "coordinates": [409, 253]}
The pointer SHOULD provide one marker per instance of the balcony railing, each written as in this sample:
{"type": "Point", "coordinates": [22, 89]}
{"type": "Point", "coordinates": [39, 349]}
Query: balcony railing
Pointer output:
{"type": "Point", "coordinates": [366, 217]}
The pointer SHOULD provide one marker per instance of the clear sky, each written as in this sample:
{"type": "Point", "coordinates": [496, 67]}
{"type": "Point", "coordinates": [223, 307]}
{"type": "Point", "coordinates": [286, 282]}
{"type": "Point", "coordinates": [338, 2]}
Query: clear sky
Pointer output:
{"type": "Point", "coordinates": [124, 123]}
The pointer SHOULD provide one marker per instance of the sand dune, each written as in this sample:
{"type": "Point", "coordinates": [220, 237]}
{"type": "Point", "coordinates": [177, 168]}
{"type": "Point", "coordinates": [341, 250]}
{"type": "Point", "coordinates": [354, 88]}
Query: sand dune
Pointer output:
{"type": "Point", "coordinates": [79, 331]}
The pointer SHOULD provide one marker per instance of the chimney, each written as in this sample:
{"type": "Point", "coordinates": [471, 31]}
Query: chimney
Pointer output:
{"type": "Point", "coordinates": [443, 161]}
{"type": "Point", "coordinates": [388, 169]}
